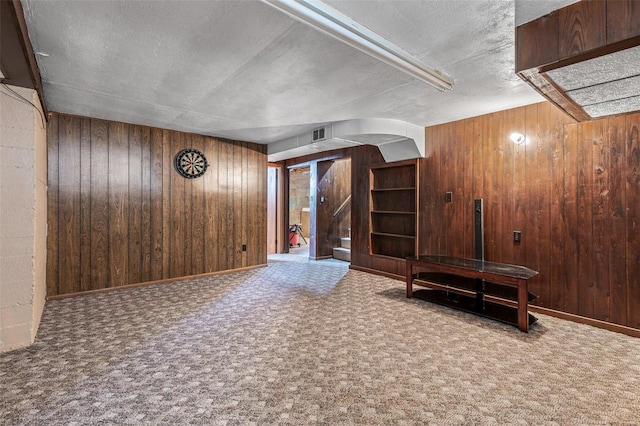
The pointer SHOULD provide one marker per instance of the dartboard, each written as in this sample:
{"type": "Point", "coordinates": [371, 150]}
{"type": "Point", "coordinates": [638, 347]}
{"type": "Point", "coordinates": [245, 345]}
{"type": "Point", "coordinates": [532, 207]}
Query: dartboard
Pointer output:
{"type": "Point", "coordinates": [191, 163]}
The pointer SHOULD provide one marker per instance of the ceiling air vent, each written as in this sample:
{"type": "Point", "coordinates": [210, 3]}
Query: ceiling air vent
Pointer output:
{"type": "Point", "coordinates": [318, 135]}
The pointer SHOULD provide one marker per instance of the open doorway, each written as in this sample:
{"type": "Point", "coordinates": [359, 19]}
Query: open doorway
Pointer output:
{"type": "Point", "coordinates": [299, 210]}
{"type": "Point", "coordinates": [332, 218]}
{"type": "Point", "coordinates": [319, 215]}
{"type": "Point", "coordinates": [313, 200]}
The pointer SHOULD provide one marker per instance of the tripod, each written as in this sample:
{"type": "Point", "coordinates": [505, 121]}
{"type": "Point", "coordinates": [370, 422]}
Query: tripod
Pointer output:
{"type": "Point", "coordinates": [299, 232]}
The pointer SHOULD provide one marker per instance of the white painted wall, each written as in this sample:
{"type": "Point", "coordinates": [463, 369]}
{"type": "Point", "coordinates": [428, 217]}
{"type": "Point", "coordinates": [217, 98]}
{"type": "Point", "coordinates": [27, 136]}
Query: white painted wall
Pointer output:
{"type": "Point", "coordinates": [23, 219]}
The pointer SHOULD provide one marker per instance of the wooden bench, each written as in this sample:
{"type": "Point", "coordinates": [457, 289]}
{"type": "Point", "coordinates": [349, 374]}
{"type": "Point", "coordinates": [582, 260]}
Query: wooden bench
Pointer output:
{"type": "Point", "coordinates": [490, 289]}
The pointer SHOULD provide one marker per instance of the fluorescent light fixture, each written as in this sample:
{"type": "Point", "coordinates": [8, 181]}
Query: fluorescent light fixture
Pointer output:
{"type": "Point", "coordinates": [329, 21]}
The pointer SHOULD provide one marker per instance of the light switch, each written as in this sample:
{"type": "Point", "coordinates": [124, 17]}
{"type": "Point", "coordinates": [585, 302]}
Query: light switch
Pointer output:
{"type": "Point", "coordinates": [448, 197]}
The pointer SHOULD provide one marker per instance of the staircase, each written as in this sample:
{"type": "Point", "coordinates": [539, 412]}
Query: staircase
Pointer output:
{"type": "Point", "coordinates": [344, 251]}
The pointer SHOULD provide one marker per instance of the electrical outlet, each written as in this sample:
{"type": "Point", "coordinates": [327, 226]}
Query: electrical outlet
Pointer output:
{"type": "Point", "coordinates": [517, 236]}
{"type": "Point", "coordinates": [448, 197]}
{"type": "Point", "coordinates": [244, 247]}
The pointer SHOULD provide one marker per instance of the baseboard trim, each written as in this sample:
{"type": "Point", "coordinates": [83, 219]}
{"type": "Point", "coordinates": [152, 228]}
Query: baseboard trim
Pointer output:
{"type": "Point", "coordinates": [617, 328]}
{"type": "Point", "coordinates": [633, 332]}
{"type": "Point", "coordinates": [321, 257]}
{"type": "Point", "coordinates": [150, 283]}
{"type": "Point", "coordinates": [376, 272]}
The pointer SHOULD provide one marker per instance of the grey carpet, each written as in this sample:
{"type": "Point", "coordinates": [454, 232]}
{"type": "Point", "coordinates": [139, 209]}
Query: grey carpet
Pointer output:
{"type": "Point", "coordinates": [303, 342]}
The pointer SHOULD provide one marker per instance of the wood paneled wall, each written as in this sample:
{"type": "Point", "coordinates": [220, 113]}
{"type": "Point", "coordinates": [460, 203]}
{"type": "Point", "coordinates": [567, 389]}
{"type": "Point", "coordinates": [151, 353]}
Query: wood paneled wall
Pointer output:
{"type": "Point", "coordinates": [522, 187]}
{"type": "Point", "coordinates": [573, 190]}
{"type": "Point", "coordinates": [120, 214]}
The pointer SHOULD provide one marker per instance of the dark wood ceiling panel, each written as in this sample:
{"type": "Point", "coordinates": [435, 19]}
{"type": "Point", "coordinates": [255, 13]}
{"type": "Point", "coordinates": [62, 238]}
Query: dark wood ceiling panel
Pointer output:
{"type": "Point", "coordinates": [541, 32]}
{"type": "Point", "coordinates": [623, 20]}
{"type": "Point", "coordinates": [585, 30]}
{"type": "Point", "coordinates": [17, 59]}
{"type": "Point", "coordinates": [582, 28]}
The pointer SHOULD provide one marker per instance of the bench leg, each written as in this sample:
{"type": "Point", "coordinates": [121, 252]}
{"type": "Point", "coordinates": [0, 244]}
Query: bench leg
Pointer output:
{"type": "Point", "coordinates": [409, 273]}
{"type": "Point", "coordinates": [523, 301]}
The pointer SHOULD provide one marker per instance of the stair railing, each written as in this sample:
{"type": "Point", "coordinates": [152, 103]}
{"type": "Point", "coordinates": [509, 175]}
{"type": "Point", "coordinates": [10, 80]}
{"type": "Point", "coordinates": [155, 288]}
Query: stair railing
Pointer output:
{"type": "Point", "coordinates": [342, 206]}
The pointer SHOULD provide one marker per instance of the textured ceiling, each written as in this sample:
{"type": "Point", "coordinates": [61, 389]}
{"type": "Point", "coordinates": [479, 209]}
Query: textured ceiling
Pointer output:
{"type": "Point", "coordinates": [605, 85]}
{"type": "Point", "coordinates": [243, 70]}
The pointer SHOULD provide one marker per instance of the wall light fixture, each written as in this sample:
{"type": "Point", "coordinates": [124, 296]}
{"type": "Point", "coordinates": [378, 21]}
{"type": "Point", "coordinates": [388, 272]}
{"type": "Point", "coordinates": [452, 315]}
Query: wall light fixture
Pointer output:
{"type": "Point", "coordinates": [518, 138]}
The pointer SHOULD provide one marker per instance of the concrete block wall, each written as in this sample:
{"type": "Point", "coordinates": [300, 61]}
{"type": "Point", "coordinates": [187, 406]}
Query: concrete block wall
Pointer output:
{"type": "Point", "coordinates": [23, 218]}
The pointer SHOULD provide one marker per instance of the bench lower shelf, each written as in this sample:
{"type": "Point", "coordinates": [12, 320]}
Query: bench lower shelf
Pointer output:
{"type": "Point", "coordinates": [454, 282]}
{"type": "Point", "coordinates": [495, 311]}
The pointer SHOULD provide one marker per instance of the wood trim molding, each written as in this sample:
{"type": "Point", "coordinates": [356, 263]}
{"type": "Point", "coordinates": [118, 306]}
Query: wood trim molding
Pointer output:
{"type": "Point", "coordinates": [633, 332]}
{"type": "Point", "coordinates": [320, 156]}
{"type": "Point", "coordinates": [321, 257]}
{"type": "Point", "coordinates": [592, 54]}
{"type": "Point", "coordinates": [17, 12]}
{"type": "Point", "coordinates": [411, 162]}
{"type": "Point", "coordinates": [282, 206]}
{"type": "Point", "coordinates": [553, 313]}
{"type": "Point", "coordinates": [284, 232]}
{"type": "Point", "coordinates": [376, 272]}
{"type": "Point", "coordinates": [547, 88]}
{"type": "Point", "coordinates": [150, 283]}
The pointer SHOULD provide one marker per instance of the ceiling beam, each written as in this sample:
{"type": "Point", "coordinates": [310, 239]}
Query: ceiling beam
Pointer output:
{"type": "Point", "coordinates": [573, 35]}
{"type": "Point", "coordinates": [17, 58]}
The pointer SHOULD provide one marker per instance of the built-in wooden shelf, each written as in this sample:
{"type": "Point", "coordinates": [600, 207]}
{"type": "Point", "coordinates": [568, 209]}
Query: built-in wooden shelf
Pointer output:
{"type": "Point", "coordinates": [393, 189]}
{"type": "Point", "coordinates": [385, 234]}
{"type": "Point", "coordinates": [390, 212]}
{"type": "Point", "coordinates": [393, 217]}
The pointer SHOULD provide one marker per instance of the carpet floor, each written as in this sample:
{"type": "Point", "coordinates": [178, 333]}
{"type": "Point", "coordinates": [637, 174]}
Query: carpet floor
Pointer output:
{"type": "Point", "coordinates": [309, 342]}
